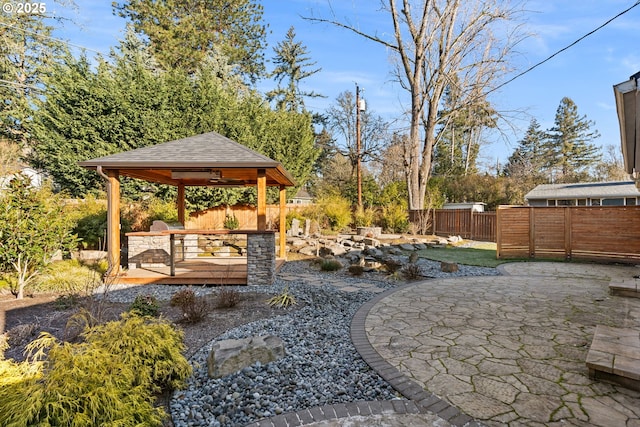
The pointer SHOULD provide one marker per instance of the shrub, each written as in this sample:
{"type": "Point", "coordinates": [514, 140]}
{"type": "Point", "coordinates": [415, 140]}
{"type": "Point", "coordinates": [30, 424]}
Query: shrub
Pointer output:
{"type": "Point", "coordinates": [153, 345]}
{"type": "Point", "coordinates": [194, 309]}
{"type": "Point", "coordinates": [84, 384]}
{"type": "Point", "coordinates": [336, 211]}
{"type": "Point", "coordinates": [228, 298]}
{"type": "Point", "coordinates": [330, 265]}
{"type": "Point", "coordinates": [395, 218]}
{"type": "Point", "coordinates": [67, 276]}
{"type": "Point", "coordinates": [365, 217]}
{"type": "Point", "coordinates": [391, 265]}
{"type": "Point", "coordinates": [67, 301]}
{"type": "Point", "coordinates": [294, 214]}
{"type": "Point", "coordinates": [356, 270]}
{"type": "Point", "coordinates": [145, 305]}
{"type": "Point", "coordinates": [90, 216]}
{"type": "Point", "coordinates": [140, 216]}
{"type": "Point", "coordinates": [411, 271]}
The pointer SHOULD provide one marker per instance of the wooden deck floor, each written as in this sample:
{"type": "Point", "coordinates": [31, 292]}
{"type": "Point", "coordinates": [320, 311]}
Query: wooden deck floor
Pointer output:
{"type": "Point", "coordinates": [203, 271]}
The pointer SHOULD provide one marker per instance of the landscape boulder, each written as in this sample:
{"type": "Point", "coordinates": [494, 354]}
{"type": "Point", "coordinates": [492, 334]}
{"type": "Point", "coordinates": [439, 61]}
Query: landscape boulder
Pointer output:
{"type": "Point", "coordinates": [448, 267]}
{"type": "Point", "coordinates": [229, 356]}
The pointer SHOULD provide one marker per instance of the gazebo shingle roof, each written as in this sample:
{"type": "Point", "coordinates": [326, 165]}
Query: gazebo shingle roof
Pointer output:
{"type": "Point", "coordinates": [208, 151]}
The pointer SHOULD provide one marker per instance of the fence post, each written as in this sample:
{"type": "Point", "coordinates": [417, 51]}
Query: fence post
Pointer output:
{"type": "Point", "coordinates": [471, 225]}
{"type": "Point", "coordinates": [568, 245]}
{"type": "Point", "coordinates": [532, 232]}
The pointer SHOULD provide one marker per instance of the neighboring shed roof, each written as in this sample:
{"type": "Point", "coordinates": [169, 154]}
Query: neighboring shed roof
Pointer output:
{"type": "Point", "coordinates": [208, 152]}
{"type": "Point", "coordinates": [303, 194]}
{"type": "Point", "coordinates": [582, 190]}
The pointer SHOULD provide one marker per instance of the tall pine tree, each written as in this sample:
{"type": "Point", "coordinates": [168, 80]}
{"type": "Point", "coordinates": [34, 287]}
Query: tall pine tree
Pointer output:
{"type": "Point", "coordinates": [292, 65]}
{"type": "Point", "coordinates": [526, 162]}
{"type": "Point", "coordinates": [183, 33]}
{"type": "Point", "coordinates": [569, 152]}
{"type": "Point", "coordinates": [27, 53]}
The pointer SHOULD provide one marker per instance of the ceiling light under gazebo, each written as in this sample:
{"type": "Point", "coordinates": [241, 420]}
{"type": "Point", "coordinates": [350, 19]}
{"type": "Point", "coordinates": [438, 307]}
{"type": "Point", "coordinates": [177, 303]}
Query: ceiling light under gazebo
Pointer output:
{"type": "Point", "coordinates": [210, 175]}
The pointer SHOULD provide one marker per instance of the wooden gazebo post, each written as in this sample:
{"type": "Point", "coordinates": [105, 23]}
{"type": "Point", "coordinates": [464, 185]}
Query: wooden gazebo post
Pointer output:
{"type": "Point", "coordinates": [113, 221]}
{"type": "Point", "coordinates": [262, 200]}
{"type": "Point", "coordinates": [180, 204]}
{"type": "Point", "coordinates": [283, 222]}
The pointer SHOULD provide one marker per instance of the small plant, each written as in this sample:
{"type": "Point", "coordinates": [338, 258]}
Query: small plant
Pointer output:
{"type": "Point", "coordinates": [145, 305]}
{"type": "Point", "coordinates": [67, 301]}
{"type": "Point", "coordinates": [228, 298]}
{"type": "Point", "coordinates": [356, 270]}
{"type": "Point", "coordinates": [330, 265]}
{"type": "Point", "coordinates": [411, 271]}
{"type": "Point", "coordinates": [392, 266]}
{"type": "Point", "coordinates": [285, 299]}
{"type": "Point", "coordinates": [231, 222]}
{"type": "Point", "coordinates": [194, 309]}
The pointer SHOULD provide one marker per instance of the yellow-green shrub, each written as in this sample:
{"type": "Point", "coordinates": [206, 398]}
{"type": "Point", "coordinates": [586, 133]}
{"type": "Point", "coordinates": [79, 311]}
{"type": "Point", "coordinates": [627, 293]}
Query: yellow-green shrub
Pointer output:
{"type": "Point", "coordinates": [108, 380]}
{"type": "Point", "coordinates": [365, 217]}
{"type": "Point", "coordinates": [151, 344]}
{"type": "Point", "coordinates": [67, 276]}
{"type": "Point", "coordinates": [336, 211]}
{"type": "Point", "coordinates": [395, 218]}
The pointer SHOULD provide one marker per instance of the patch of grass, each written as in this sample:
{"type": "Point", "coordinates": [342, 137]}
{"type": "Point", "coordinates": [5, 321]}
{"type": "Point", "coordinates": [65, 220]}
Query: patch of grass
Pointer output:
{"type": "Point", "coordinates": [481, 255]}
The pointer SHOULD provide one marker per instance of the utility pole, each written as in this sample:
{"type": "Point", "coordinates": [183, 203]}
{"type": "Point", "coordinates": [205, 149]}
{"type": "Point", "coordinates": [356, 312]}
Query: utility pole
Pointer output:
{"type": "Point", "coordinates": [360, 106]}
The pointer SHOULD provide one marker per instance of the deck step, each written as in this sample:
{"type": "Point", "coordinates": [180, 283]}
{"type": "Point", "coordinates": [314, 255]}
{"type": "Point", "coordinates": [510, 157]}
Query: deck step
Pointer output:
{"type": "Point", "coordinates": [614, 356]}
{"type": "Point", "coordinates": [625, 288]}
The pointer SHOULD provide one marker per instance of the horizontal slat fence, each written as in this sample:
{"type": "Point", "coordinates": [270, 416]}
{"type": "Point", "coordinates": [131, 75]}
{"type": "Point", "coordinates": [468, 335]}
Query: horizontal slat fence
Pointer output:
{"type": "Point", "coordinates": [213, 218]}
{"type": "Point", "coordinates": [607, 233]}
{"type": "Point", "coordinates": [456, 222]}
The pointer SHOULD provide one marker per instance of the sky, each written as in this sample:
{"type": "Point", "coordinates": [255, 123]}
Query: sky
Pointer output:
{"type": "Point", "coordinates": [585, 72]}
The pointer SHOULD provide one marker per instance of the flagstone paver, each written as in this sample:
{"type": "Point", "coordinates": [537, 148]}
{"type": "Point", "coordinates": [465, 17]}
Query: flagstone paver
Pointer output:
{"type": "Point", "coordinates": [511, 349]}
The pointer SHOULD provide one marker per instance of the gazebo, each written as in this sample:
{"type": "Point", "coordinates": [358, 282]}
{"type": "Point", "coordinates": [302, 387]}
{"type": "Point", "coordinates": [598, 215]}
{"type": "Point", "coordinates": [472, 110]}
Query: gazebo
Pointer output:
{"type": "Point", "coordinates": [208, 159]}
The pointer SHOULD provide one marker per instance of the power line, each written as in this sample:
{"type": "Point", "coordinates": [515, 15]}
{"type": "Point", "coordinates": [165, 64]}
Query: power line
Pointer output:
{"type": "Point", "coordinates": [564, 48]}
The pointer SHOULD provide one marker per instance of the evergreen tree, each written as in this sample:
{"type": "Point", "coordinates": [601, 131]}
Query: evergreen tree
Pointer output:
{"type": "Point", "coordinates": [526, 161]}
{"type": "Point", "coordinates": [26, 55]}
{"type": "Point", "coordinates": [183, 33]}
{"type": "Point", "coordinates": [569, 153]}
{"type": "Point", "coordinates": [292, 65]}
{"type": "Point", "coordinates": [125, 105]}
{"type": "Point", "coordinates": [459, 139]}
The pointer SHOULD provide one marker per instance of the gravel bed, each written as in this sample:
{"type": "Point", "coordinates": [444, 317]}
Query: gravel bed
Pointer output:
{"type": "Point", "coordinates": [321, 365]}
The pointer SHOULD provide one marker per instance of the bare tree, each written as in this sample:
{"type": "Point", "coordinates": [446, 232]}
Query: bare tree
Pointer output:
{"type": "Point", "coordinates": [436, 43]}
{"type": "Point", "coordinates": [342, 122]}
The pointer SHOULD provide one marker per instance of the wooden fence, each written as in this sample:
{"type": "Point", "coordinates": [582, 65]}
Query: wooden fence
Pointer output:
{"type": "Point", "coordinates": [610, 233]}
{"type": "Point", "coordinates": [213, 218]}
{"type": "Point", "coordinates": [456, 222]}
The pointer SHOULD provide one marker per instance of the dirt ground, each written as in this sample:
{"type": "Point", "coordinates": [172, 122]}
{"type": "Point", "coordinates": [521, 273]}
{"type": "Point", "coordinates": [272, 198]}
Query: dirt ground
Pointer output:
{"type": "Point", "coordinates": [24, 320]}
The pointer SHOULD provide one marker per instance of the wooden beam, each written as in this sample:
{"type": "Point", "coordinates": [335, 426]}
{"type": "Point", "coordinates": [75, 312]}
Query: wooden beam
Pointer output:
{"type": "Point", "coordinates": [180, 204]}
{"type": "Point", "coordinates": [262, 200]}
{"type": "Point", "coordinates": [283, 222]}
{"type": "Point", "coordinates": [113, 221]}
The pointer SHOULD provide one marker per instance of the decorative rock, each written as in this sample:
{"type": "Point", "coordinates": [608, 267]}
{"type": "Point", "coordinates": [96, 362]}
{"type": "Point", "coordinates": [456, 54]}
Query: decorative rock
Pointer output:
{"type": "Point", "coordinates": [368, 241]}
{"type": "Point", "coordinates": [229, 356]}
{"type": "Point", "coordinates": [448, 267]}
{"type": "Point", "coordinates": [407, 247]}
